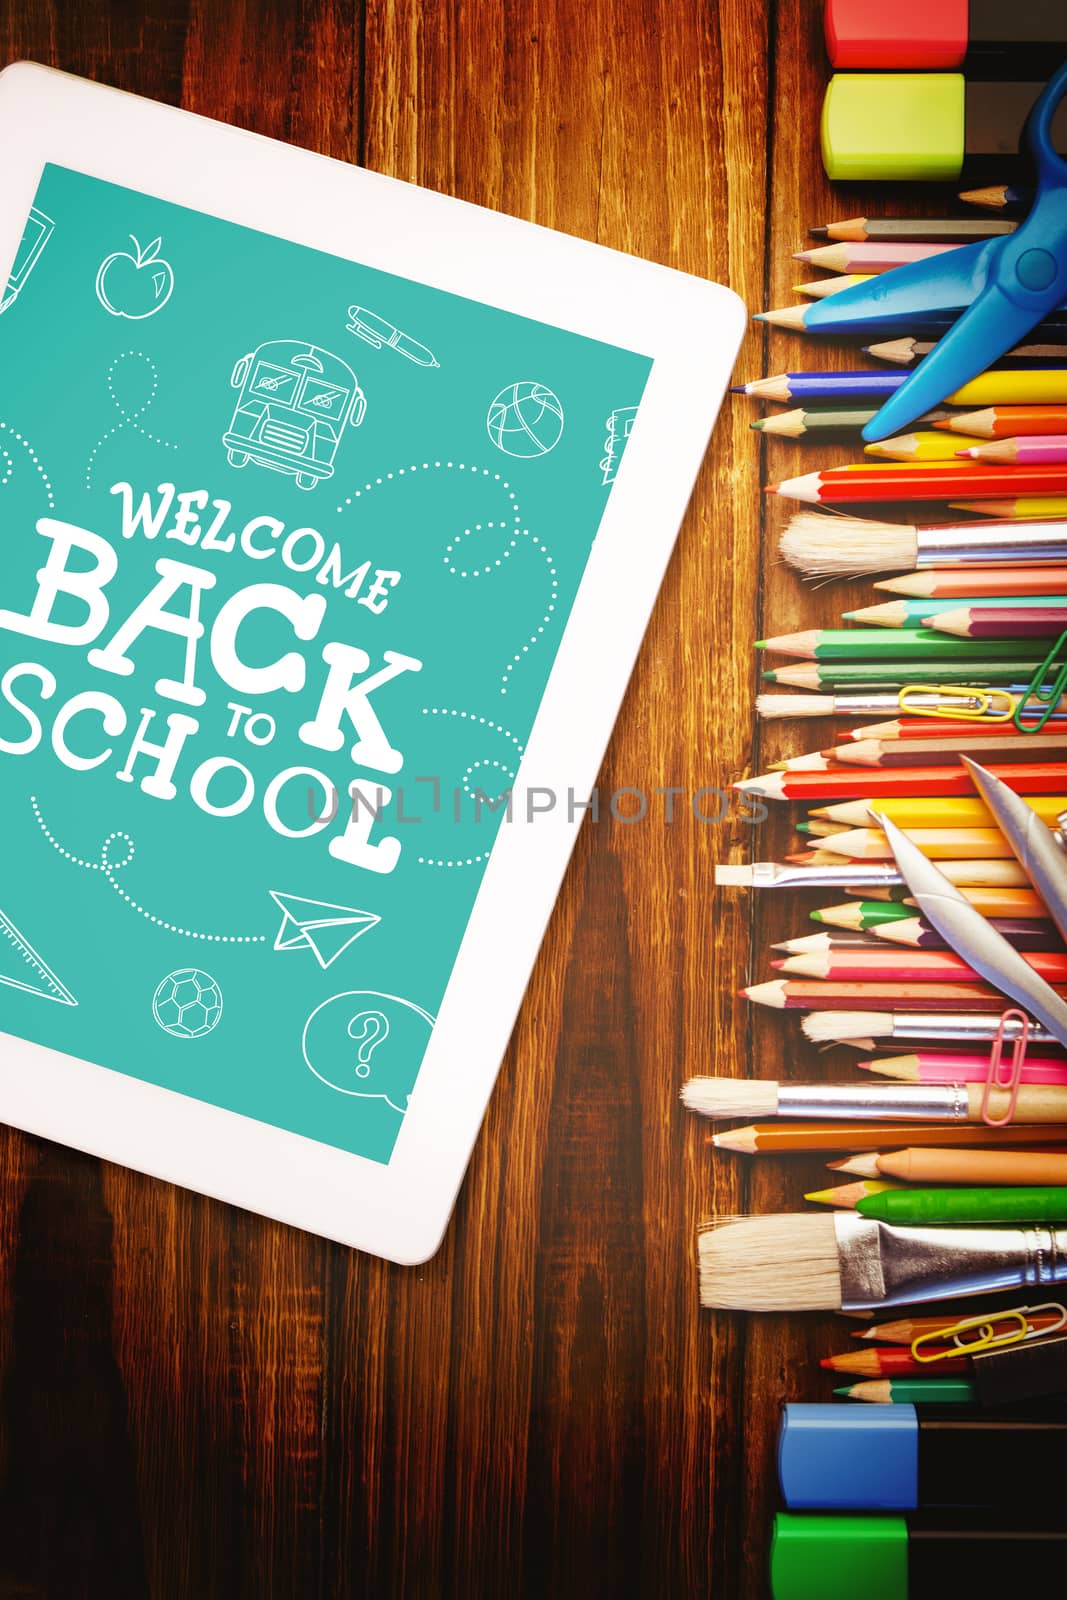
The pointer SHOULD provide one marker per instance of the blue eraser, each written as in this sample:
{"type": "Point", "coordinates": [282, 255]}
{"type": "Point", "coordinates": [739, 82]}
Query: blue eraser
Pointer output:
{"type": "Point", "coordinates": [849, 1458]}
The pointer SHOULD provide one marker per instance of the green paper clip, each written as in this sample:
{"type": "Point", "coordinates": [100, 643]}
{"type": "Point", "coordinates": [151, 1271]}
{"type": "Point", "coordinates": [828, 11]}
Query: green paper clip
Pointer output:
{"type": "Point", "coordinates": [1047, 695]}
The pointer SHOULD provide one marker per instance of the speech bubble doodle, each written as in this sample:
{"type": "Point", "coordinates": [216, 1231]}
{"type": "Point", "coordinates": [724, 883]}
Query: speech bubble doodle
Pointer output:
{"type": "Point", "coordinates": [368, 1045]}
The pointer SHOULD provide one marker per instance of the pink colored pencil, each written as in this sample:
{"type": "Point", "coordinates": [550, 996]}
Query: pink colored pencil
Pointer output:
{"type": "Point", "coordinates": [955, 1066]}
{"type": "Point", "coordinates": [1027, 450]}
{"type": "Point", "coordinates": [907, 966]}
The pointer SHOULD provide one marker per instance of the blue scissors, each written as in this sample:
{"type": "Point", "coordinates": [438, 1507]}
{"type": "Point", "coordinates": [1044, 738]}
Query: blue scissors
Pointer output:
{"type": "Point", "coordinates": [1007, 286]}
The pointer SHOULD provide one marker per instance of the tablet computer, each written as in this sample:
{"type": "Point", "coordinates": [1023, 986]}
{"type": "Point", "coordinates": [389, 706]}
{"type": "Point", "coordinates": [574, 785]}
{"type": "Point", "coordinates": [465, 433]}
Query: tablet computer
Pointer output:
{"type": "Point", "coordinates": [334, 511]}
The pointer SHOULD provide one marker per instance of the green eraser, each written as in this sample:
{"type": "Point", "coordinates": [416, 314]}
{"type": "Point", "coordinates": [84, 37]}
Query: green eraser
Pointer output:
{"type": "Point", "coordinates": [826, 1557]}
{"type": "Point", "coordinates": [894, 125]}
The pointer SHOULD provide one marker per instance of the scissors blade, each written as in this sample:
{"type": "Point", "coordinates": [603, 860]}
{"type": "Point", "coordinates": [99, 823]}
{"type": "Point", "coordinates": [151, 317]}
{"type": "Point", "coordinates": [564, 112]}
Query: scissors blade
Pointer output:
{"type": "Point", "coordinates": [972, 938]}
{"type": "Point", "coordinates": [986, 330]}
{"type": "Point", "coordinates": [945, 283]}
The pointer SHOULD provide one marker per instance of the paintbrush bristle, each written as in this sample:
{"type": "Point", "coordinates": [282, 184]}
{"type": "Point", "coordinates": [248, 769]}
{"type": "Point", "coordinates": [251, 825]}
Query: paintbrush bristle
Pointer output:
{"type": "Point", "coordinates": [778, 1263]}
{"type": "Point", "coordinates": [820, 1026]}
{"type": "Point", "coordinates": [823, 546]}
{"type": "Point", "coordinates": [730, 1097]}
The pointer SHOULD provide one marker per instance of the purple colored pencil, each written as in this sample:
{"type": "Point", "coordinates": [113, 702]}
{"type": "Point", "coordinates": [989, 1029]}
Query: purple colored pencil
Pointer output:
{"type": "Point", "coordinates": [1025, 933]}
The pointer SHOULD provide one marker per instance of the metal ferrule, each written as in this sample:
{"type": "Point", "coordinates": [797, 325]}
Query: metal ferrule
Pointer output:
{"type": "Point", "coordinates": [867, 874]}
{"type": "Point", "coordinates": [960, 543]}
{"type": "Point", "coordinates": [946, 1102]}
{"type": "Point", "coordinates": [968, 1026]}
{"type": "Point", "coordinates": [885, 1266]}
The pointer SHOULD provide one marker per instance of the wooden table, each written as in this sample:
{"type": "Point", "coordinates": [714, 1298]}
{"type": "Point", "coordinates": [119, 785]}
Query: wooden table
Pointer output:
{"type": "Point", "coordinates": [197, 1403]}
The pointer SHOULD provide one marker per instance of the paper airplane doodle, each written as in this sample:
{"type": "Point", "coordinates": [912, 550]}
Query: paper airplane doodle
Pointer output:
{"type": "Point", "coordinates": [22, 968]}
{"type": "Point", "coordinates": [315, 925]}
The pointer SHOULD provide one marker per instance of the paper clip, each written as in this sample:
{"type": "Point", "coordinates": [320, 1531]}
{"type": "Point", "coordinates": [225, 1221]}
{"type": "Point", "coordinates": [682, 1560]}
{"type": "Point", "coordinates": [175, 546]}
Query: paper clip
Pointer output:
{"type": "Point", "coordinates": [1005, 1075]}
{"type": "Point", "coordinates": [983, 708]}
{"type": "Point", "coordinates": [987, 1338]}
{"type": "Point", "coordinates": [1047, 695]}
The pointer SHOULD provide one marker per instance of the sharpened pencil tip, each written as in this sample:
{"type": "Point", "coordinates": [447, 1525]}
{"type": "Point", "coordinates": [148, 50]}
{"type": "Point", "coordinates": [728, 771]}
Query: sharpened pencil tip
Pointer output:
{"type": "Point", "coordinates": [757, 425]}
{"type": "Point", "coordinates": [738, 388]}
{"type": "Point", "coordinates": [759, 644]}
{"type": "Point", "coordinates": [771, 488]}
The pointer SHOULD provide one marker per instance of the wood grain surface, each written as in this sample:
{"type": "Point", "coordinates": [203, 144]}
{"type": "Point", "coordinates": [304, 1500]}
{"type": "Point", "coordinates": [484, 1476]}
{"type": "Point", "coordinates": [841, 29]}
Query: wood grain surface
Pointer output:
{"type": "Point", "coordinates": [197, 1404]}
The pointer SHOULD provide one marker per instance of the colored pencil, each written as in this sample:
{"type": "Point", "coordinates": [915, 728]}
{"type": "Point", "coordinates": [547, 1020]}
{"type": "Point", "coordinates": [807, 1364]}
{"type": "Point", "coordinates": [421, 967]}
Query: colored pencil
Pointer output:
{"type": "Point", "coordinates": [938, 844]}
{"type": "Point", "coordinates": [878, 644]}
{"type": "Point", "coordinates": [957, 1066]}
{"type": "Point", "coordinates": [921, 446]}
{"type": "Point", "coordinates": [936, 1164]}
{"type": "Point", "coordinates": [1035, 1104]}
{"type": "Point", "coordinates": [1014, 675]}
{"type": "Point", "coordinates": [1006, 422]}
{"type": "Point", "coordinates": [905, 1330]}
{"type": "Point", "coordinates": [845, 1195]}
{"type": "Point", "coordinates": [912, 1391]}
{"type": "Point", "coordinates": [821, 942]}
{"type": "Point", "coordinates": [915, 933]}
{"type": "Point", "coordinates": [1026, 508]}
{"type": "Point", "coordinates": [893, 1362]}
{"type": "Point", "coordinates": [797, 1138]}
{"type": "Point", "coordinates": [1026, 450]}
{"type": "Point", "coordinates": [916, 812]}
{"type": "Point", "coordinates": [798, 994]}
{"type": "Point", "coordinates": [871, 256]}
{"type": "Point", "coordinates": [837, 546]}
{"type": "Point", "coordinates": [999, 624]}
{"type": "Point", "coordinates": [936, 480]}
{"type": "Point", "coordinates": [895, 921]}
{"type": "Point", "coordinates": [967, 1207]}
{"type": "Point", "coordinates": [997, 386]}
{"type": "Point", "coordinates": [905, 352]}
{"type": "Point", "coordinates": [911, 613]}
{"type": "Point", "coordinates": [907, 966]}
{"type": "Point", "coordinates": [799, 423]}
{"type": "Point", "coordinates": [1001, 196]}
{"type": "Point", "coordinates": [915, 782]}
{"type": "Point", "coordinates": [955, 230]}
{"type": "Point", "coordinates": [967, 584]}
{"type": "Point", "coordinates": [875, 319]}
{"type": "Point", "coordinates": [993, 745]}
{"type": "Point", "coordinates": [991, 901]}
{"type": "Point", "coordinates": [822, 288]}
{"type": "Point", "coordinates": [865, 1029]}
{"type": "Point", "coordinates": [931, 728]}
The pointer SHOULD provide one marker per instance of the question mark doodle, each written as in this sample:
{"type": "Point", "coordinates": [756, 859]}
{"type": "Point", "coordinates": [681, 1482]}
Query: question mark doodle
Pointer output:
{"type": "Point", "coordinates": [369, 1029]}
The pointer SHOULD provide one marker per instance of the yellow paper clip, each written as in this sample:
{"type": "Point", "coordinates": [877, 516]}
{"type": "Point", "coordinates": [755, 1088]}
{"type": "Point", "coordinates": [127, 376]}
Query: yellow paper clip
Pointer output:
{"type": "Point", "coordinates": [1046, 694]}
{"type": "Point", "coordinates": [982, 710]}
{"type": "Point", "coordinates": [986, 1335]}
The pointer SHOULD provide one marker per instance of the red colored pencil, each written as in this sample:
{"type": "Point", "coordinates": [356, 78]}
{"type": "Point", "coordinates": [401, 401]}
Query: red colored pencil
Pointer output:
{"type": "Point", "coordinates": [937, 480]}
{"type": "Point", "coordinates": [908, 966]}
{"type": "Point", "coordinates": [957, 1066]}
{"type": "Point", "coordinates": [1001, 622]}
{"type": "Point", "coordinates": [928, 728]}
{"type": "Point", "coordinates": [888, 753]}
{"type": "Point", "coordinates": [788, 994]}
{"type": "Point", "coordinates": [1025, 778]}
{"type": "Point", "coordinates": [895, 1361]}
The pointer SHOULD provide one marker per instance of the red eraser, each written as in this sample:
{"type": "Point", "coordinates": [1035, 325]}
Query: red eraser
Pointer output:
{"type": "Point", "coordinates": [926, 35]}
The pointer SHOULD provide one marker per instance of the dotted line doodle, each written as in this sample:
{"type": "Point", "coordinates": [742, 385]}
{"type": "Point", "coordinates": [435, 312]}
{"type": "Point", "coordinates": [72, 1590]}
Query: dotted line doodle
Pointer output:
{"type": "Point", "coordinates": [127, 417]}
{"type": "Point", "coordinates": [504, 767]}
{"type": "Point", "coordinates": [109, 869]}
{"type": "Point", "coordinates": [511, 528]}
{"type": "Point", "coordinates": [19, 439]}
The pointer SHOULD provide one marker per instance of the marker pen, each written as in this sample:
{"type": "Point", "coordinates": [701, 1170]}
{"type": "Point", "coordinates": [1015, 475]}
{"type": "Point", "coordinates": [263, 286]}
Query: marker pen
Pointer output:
{"type": "Point", "coordinates": [986, 38]}
{"type": "Point", "coordinates": [896, 1458]}
{"type": "Point", "coordinates": [938, 126]}
{"type": "Point", "coordinates": [914, 1557]}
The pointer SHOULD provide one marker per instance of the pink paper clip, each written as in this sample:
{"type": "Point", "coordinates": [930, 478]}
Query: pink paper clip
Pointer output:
{"type": "Point", "coordinates": [995, 1078]}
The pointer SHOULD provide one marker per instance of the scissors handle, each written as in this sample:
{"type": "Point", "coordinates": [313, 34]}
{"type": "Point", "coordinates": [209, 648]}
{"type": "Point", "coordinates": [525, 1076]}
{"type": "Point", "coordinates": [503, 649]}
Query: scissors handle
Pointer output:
{"type": "Point", "coordinates": [1051, 166]}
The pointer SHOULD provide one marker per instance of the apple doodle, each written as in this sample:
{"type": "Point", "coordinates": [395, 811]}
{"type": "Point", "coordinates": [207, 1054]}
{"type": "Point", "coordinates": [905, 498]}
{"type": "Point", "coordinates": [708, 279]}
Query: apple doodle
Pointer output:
{"type": "Point", "coordinates": [135, 286]}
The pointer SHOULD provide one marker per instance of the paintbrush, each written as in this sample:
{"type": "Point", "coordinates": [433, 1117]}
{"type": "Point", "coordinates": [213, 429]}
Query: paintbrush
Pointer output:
{"type": "Point", "coordinates": [925, 1102]}
{"type": "Point", "coordinates": [845, 1262]}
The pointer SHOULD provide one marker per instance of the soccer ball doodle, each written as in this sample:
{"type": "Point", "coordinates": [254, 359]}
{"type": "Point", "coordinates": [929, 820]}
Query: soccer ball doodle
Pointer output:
{"type": "Point", "coordinates": [187, 1004]}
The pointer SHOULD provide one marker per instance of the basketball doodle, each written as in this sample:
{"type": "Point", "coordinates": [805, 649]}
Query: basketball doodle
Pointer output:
{"type": "Point", "coordinates": [525, 420]}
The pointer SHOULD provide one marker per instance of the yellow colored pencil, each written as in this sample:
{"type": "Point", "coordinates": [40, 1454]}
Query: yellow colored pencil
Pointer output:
{"type": "Point", "coordinates": [916, 812]}
{"type": "Point", "coordinates": [937, 844]}
{"type": "Point", "coordinates": [923, 446]}
{"type": "Point", "coordinates": [1026, 508]}
{"type": "Point", "coordinates": [820, 288]}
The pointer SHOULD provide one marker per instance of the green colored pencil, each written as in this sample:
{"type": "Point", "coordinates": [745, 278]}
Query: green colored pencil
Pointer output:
{"type": "Point", "coordinates": [977, 672]}
{"type": "Point", "coordinates": [912, 613]}
{"type": "Point", "coordinates": [912, 1391]}
{"type": "Point", "coordinates": [891, 644]}
{"type": "Point", "coordinates": [863, 915]}
{"type": "Point", "coordinates": [821, 420]}
{"type": "Point", "coordinates": [963, 1206]}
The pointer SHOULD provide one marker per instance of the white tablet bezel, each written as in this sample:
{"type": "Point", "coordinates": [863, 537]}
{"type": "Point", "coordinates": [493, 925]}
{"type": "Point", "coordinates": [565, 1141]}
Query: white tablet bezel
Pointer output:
{"type": "Point", "coordinates": [692, 330]}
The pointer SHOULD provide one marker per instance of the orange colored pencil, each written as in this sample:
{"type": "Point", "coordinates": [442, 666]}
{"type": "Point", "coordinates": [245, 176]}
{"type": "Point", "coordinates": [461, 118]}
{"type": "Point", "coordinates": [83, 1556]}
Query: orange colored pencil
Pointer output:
{"type": "Point", "coordinates": [783, 994]}
{"type": "Point", "coordinates": [991, 901]}
{"type": "Point", "coordinates": [795, 1138]}
{"type": "Point", "coordinates": [934, 728]}
{"type": "Point", "coordinates": [974, 583]}
{"type": "Point", "coordinates": [1007, 422]}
